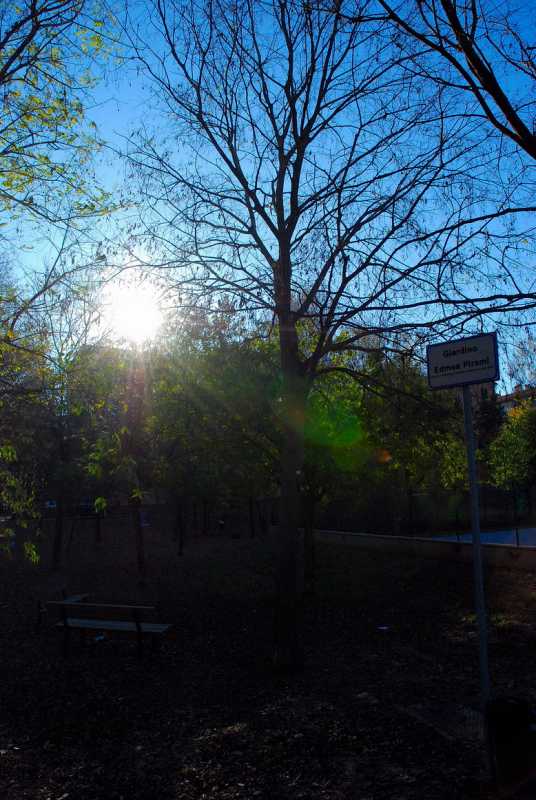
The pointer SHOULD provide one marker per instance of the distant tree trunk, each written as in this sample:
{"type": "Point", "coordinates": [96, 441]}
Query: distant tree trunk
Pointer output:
{"type": "Point", "coordinates": [206, 517]}
{"type": "Point", "coordinates": [398, 516]}
{"type": "Point", "coordinates": [263, 521]}
{"type": "Point", "coordinates": [71, 536]}
{"type": "Point", "coordinates": [140, 543]}
{"type": "Point", "coordinates": [98, 529]}
{"type": "Point", "coordinates": [251, 518]}
{"type": "Point", "coordinates": [179, 526]}
{"type": "Point", "coordinates": [410, 505]}
{"type": "Point", "coordinates": [18, 543]}
{"type": "Point", "coordinates": [309, 551]}
{"type": "Point", "coordinates": [39, 525]}
{"type": "Point", "coordinates": [58, 534]}
{"type": "Point", "coordinates": [195, 516]}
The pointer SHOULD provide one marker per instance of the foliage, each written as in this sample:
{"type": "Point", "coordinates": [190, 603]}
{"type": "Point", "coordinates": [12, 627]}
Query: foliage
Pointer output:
{"type": "Point", "coordinates": [101, 505]}
{"type": "Point", "coordinates": [107, 395]}
{"type": "Point", "coordinates": [31, 553]}
{"type": "Point", "coordinates": [46, 52]}
{"type": "Point", "coordinates": [337, 445]}
{"type": "Point", "coordinates": [212, 419]}
{"type": "Point", "coordinates": [418, 434]}
{"type": "Point", "coordinates": [22, 410]}
{"type": "Point", "coordinates": [512, 455]}
{"type": "Point", "coordinates": [451, 455]}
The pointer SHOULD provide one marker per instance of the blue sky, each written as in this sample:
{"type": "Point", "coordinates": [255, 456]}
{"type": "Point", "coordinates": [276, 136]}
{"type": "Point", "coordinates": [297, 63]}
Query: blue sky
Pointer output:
{"type": "Point", "coordinates": [118, 106]}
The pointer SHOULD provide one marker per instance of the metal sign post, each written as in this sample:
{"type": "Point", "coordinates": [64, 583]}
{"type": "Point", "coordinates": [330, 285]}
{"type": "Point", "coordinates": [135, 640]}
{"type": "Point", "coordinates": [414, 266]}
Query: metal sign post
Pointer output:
{"type": "Point", "coordinates": [461, 363]}
{"type": "Point", "coordinates": [480, 603]}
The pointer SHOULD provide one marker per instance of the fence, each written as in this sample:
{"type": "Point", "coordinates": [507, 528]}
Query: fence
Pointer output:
{"type": "Point", "coordinates": [498, 555]}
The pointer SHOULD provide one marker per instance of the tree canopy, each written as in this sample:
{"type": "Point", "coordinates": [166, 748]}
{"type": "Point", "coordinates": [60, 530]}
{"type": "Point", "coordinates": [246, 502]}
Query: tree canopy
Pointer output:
{"type": "Point", "coordinates": [47, 49]}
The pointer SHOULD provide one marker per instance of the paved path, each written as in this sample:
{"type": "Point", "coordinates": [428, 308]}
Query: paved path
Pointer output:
{"type": "Point", "coordinates": [527, 537]}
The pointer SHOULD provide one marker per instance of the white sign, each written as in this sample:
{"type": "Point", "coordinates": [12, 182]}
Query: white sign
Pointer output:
{"type": "Point", "coordinates": [470, 360]}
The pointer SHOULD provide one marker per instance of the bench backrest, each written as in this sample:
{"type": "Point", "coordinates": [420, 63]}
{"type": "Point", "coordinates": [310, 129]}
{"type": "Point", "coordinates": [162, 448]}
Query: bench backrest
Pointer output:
{"type": "Point", "coordinates": [104, 611]}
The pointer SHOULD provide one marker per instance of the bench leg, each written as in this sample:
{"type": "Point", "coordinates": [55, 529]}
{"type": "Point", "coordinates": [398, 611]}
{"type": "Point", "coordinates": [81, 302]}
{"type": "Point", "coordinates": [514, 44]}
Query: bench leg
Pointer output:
{"type": "Point", "coordinates": [66, 640]}
{"type": "Point", "coordinates": [41, 611]}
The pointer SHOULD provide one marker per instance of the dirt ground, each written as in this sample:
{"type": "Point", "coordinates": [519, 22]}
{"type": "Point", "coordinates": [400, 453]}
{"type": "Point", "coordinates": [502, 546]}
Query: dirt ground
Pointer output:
{"type": "Point", "coordinates": [385, 707]}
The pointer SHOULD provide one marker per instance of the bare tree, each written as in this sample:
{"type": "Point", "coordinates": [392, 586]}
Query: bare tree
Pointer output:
{"type": "Point", "coordinates": [303, 173]}
{"type": "Point", "coordinates": [483, 49]}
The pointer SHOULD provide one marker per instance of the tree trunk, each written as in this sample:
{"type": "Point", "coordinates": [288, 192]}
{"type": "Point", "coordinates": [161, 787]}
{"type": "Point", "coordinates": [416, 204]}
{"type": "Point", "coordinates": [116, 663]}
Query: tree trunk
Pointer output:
{"type": "Point", "coordinates": [288, 653]}
{"type": "Point", "coordinates": [58, 535]}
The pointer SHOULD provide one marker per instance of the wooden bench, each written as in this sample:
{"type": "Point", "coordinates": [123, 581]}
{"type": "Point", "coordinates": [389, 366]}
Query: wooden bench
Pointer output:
{"type": "Point", "coordinates": [106, 618]}
{"type": "Point", "coordinates": [42, 608]}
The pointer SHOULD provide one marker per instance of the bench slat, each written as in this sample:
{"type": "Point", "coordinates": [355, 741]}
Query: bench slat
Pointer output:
{"type": "Point", "coordinates": [114, 625]}
{"type": "Point", "coordinates": [104, 611]}
{"type": "Point", "coordinates": [74, 598]}
{"type": "Point", "coordinates": [119, 607]}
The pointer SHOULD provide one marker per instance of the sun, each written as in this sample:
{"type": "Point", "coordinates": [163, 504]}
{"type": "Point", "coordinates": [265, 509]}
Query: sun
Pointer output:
{"type": "Point", "coordinates": [131, 311]}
